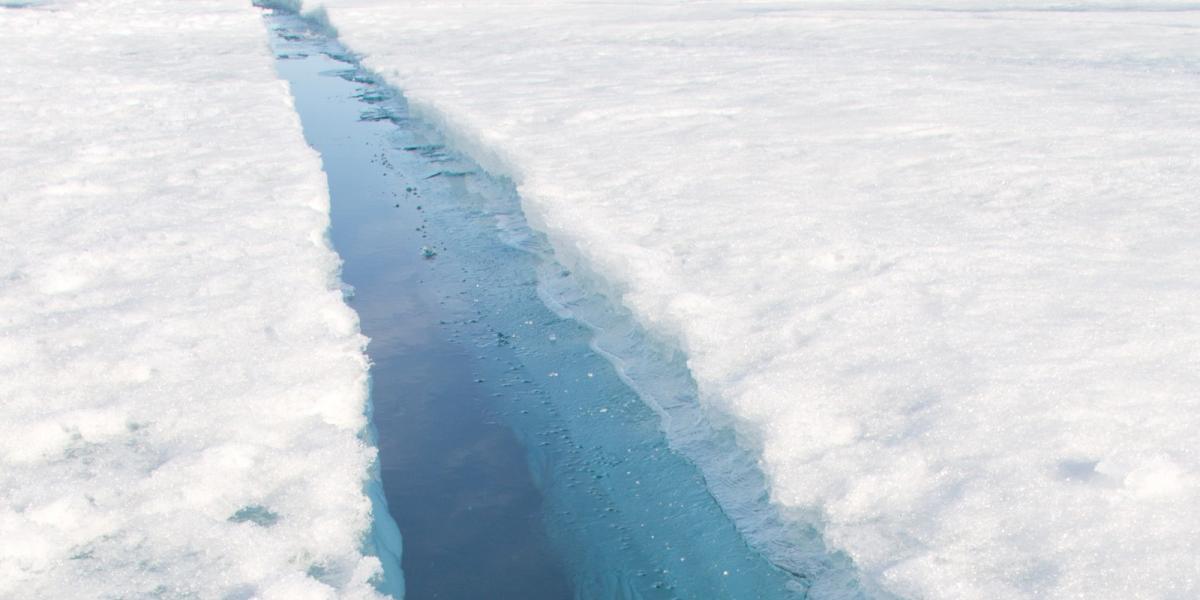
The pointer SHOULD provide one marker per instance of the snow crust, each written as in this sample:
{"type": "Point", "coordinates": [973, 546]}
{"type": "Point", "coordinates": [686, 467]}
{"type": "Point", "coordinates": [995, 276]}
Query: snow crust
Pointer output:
{"type": "Point", "coordinates": [939, 261]}
{"type": "Point", "coordinates": [182, 387]}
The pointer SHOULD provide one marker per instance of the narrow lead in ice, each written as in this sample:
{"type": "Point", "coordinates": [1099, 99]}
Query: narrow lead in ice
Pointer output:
{"type": "Point", "coordinates": [938, 260]}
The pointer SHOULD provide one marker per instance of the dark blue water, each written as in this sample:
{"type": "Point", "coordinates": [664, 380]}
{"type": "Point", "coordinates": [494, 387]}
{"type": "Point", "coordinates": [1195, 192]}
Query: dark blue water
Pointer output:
{"type": "Point", "coordinates": [516, 460]}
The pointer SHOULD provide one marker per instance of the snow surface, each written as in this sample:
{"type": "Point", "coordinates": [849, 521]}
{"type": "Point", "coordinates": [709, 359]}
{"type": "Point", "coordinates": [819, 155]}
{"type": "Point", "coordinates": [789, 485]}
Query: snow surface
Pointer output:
{"type": "Point", "coordinates": [182, 387]}
{"type": "Point", "coordinates": [940, 262]}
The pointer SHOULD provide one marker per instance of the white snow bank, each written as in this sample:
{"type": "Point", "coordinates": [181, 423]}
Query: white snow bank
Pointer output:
{"type": "Point", "coordinates": [181, 384]}
{"type": "Point", "coordinates": [943, 264]}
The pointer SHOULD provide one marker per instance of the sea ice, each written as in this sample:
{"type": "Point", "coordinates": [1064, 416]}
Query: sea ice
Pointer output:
{"type": "Point", "coordinates": [182, 387]}
{"type": "Point", "coordinates": [938, 260]}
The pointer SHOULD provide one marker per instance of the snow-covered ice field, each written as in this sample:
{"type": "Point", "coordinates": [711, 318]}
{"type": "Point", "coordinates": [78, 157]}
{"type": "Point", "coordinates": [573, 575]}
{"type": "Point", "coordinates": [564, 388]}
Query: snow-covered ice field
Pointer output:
{"type": "Point", "coordinates": [182, 387]}
{"type": "Point", "coordinates": [938, 263]}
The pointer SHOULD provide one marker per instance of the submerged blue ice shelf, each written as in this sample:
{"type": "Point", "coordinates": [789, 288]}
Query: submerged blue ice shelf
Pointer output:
{"type": "Point", "coordinates": [518, 461]}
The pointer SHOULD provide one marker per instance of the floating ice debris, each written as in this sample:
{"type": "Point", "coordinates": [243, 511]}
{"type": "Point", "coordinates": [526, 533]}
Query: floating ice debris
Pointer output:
{"type": "Point", "coordinates": [356, 75]}
{"type": "Point", "coordinates": [378, 113]}
{"type": "Point", "coordinates": [341, 56]}
{"type": "Point", "coordinates": [449, 174]}
{"type": "Point", "coordinates": [428, 252]}
{"type": "Point", "coordinates": [373, 95]}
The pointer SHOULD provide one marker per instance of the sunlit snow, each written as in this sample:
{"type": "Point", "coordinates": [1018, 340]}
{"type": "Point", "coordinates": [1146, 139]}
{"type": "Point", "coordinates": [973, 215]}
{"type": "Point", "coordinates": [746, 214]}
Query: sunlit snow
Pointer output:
{"type": "Point", "coordinates": [939, 261]}
{"type": "Point", "coordinates": [182, 387]}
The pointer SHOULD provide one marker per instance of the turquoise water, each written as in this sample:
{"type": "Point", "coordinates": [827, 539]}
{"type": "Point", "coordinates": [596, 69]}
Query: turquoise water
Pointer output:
{"type": "Point", "coordinates": [517, 460]}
